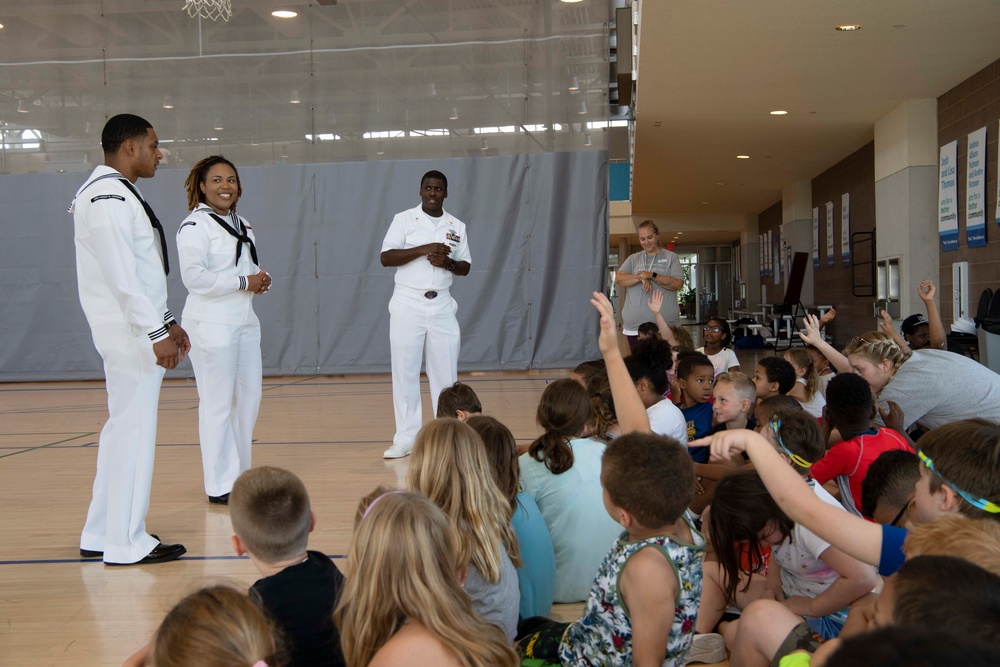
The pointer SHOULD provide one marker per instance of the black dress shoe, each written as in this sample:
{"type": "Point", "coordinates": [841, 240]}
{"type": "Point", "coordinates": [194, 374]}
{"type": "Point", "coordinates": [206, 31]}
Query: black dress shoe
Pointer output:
{"type": "Point", "coordinates": [87, 553]}
{"type": "Point", "coordinates": [163, 553]}
{"type": "Point", "coordinates": [219, 500]}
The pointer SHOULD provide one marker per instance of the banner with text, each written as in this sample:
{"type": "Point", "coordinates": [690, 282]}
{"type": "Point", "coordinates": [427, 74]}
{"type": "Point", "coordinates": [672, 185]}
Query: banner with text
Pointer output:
{"type": "Point", "coordinates": [975, 190]}
{"type": "Point", "coordinates": [816, 236]}
{"type": "Point", "coordinates": [829, 233]}
{"type": "Point", "coordinates": [845, 228]}
{"type": "Point", "coordinates": [947, 194]}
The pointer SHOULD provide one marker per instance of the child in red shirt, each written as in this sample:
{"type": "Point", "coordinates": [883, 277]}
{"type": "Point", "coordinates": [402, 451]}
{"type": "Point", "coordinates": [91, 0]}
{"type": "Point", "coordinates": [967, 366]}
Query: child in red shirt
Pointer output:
{"type": "Point", "coordinates": [850, 409]}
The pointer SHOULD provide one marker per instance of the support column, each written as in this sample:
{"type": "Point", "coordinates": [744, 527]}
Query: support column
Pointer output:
{"type": "Point", "coordinates": [906, 172]}
{"type": "Point", "coordinates": [750, 261]}
{"type": "Point", "coordinates": [796, 229]}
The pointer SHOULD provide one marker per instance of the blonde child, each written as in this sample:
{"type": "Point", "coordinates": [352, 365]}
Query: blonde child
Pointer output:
{"type": "Point", "coordinates": [806, 390]}
{"type": "Point", "coordinates": [404, 603]}
{"type": "Point", "coordinates": [735, 399]}
{"type": "Point", "coordinates": [214, 627]}
{"type": "Point", "coordinates": [450, 467]}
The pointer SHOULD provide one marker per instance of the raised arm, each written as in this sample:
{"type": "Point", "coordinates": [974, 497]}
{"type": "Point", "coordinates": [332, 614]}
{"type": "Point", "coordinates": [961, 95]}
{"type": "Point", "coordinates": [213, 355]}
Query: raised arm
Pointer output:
{"type": "Point", "coordinates": [935, 326]}
{"type": "Point", "coordinates": [889, 329]}
{"type": "Point", "coordinates": [628, 406]}
{"type": "Point", "coordinates": [813, 337]}
{"type": "Point", "coordinates": [654, 303]}
{"type": "Point", "coordinates": [853, 535]}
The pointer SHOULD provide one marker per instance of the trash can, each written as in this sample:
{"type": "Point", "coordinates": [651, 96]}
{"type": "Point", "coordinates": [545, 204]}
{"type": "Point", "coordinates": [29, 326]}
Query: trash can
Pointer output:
{"type": "Point", "coordinates": [989, 343]}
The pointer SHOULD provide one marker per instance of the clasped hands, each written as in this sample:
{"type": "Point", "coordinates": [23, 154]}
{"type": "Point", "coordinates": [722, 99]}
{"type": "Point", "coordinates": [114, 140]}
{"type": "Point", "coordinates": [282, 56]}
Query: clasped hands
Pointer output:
{"type": "Point", "coordinates": [646, 278]}
{"type": "Point", "coordinates": [259, 283]}
{"type": "Point", "coordinates": [438, 254]}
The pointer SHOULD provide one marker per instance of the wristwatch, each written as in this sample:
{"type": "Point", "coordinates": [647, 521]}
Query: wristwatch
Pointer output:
{"type": "Point", "coordinates": [653, 276]}
{"type": "Point", "coordinates": [451, 267]}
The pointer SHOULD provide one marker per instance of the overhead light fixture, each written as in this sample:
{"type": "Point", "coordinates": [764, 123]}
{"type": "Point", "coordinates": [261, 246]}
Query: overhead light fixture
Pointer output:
{"type": "Point", "coordinates": [284, 14]}
{"type": "Point", "coordinates": [571, 2]}
{"type": "Point", "coordinates": [21, 107]}
{"type": "Point", "coordinates": [434, 90]}
{"type": "Point", "coordinates": [484, 145]}
{"type": "Point", "coordinates": [1, 26]}
{"type": "Point", "coordinates": [331, 118]}
{"type": "Point", "coordinates": [575, 83]}
{"type": "Point", "coordinates": [218, 125]}
{"type": "Point", "coordinates": [168, 103]}
{"type": "Point", "coordinates": [779, 112]}
{"type": "Point", "coordinates": [848, 27]}
{"type": "Point", "coordinates": [295, 96]}
{"type": "Point", "coordinates": [381, 149]}
{"type": "Point", "coordinates": [742, 157]}
{"type": "Point", "coordinates": [454, 114]}
{"type": "Point", "coordinates": [583, 108]}
{"type": "Point", "coordinates": [587, 140]}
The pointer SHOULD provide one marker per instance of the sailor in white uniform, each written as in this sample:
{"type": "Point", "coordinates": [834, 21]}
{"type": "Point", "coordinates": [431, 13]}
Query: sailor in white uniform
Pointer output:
{"type": "Point", "coordinates": [219, 267]}
{"type": "Point", "coordinates": [121, 262]}
{"type": "Point", "coordinates": [428, 246]}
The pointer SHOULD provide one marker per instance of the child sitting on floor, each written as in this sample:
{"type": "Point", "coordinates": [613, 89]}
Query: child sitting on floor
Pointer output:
{"type": "Point", "coordinates": [403, 603]}
{"type": "Point", "coordinates": [642, 606]}
{"type": "Point", "coordinates": [806, 388]}
{"type": "Point", "coordinates": [773, 376]}
{"type": "Point", "coordinates": [718, 340]}
{"type": "Point", "coordinates": [735, 399]}
{"type": "Point", "coordinates": [696, 378]}
{"type": "Point", "coordinates": [850, 409]}
{"type": "Point", "coordinates": [458, 401]}
{"type": "Point", "coordinates": [648, 365]}
{"type": "Point", "coordinates": [272, 519]}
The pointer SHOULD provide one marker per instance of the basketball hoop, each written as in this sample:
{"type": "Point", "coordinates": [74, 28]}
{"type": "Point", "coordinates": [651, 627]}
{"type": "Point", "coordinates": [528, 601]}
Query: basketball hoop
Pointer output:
{"type": "Point", "coordinates": [209, 9]}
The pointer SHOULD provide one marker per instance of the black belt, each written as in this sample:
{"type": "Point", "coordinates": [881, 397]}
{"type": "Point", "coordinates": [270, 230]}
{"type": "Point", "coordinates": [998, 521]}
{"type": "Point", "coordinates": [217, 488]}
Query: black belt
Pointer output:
{"type": "Point", "coordinates": [430, 294]}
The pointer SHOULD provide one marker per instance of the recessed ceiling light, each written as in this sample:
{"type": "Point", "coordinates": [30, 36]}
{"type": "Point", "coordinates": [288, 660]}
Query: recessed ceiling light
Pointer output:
{"type": "Point", "coordinates": [742, 157]}
{"type": "Point", "coordinates": [680, 232]}
{"type": "Point", "coordinates": [284, 14]}
{"type": "Point", "coordinates": [848, 27]}
{"type": "Point", "coordinates": [1, 26]}
{"type": "Point", "coordinates": [779, 112]}
{"type": "Point", "coordinates": [704, 202]}
{"type": "Point", "coordinates": [569, 2]}
{"type": "Point", "coordinates": [720, 183]}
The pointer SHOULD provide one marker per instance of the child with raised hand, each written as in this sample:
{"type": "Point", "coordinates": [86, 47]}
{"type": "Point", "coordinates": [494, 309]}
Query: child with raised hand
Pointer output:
{"type": "Point", "coordinates": [450, 467]}
{"type": "Point", "coordinates": [459, 401]}
{"type": "Point", "coordinates": [536, 577]}
{"type": "Point", "coordinates": [404, 603]}
{"type": "Point", "coordinates": [806, 388]}
{"type": "Point", "coordinates": [963, 479]}
{"type": "Point", "coordinates": [644, 600]}
{"type": "Point", "coordinates": [718, 339]}
{"type": "Point", "coordinates": [647, 366]}
{"type": "Point", "coordinates": [215, 626]}
{"type": "Point", "coordinates": [562, 470]}
{"type": "Point", "coordinates": [850, 409]}
{"type": "Point", "coordinates": [272, 519]}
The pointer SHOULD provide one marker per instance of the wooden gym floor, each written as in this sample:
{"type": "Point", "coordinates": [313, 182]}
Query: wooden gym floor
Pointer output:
{"type": "Point", "coordinates": [59, 609]}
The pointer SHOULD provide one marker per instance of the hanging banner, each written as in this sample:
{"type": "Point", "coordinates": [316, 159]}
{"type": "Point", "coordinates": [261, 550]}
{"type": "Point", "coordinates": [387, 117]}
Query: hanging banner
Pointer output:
{"type": "Point", "coordinates": [816, 236]}
{"type": "Point", "coordinates": [975, 190]}
{"type": "Point", "coordinates": [996, 213]}
{"type": "Point", "coordinates": [845, 228]}
{"type": "Point", "coordinates": [770, 255]}
{"type": "Point", "coordinates": [776, 260]}
{"type": "Point", "coordinates": [947, 193]}
{"type": "Point", "coordinates": [829, 233]}
{"type": "Point", "coordinates": [760, 244]}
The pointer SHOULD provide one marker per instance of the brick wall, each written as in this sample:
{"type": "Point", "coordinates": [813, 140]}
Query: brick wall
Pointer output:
{"type": "Point", "coordinates": [972, 104]}
{"type": "Point", "coordinates": [854, 175]}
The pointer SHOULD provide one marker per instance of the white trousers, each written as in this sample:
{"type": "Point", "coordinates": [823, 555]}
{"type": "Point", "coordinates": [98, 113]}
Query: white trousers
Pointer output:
{"type": "Point", "coordinates": [116, 520]}
{"type": "Point", "coordinates": [227, 370]}
{"type": "Point", "coordinates": [420, 327]}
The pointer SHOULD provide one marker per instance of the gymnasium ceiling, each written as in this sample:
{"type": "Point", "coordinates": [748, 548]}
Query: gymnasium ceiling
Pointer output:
{"type": "Point", "coordinates": [709, 73]}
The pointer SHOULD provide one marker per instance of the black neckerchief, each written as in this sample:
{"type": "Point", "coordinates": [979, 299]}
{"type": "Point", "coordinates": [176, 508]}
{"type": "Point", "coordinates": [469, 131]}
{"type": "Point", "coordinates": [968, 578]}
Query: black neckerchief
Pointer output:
{"type": "Point", "coordinates": [154, 221]}
{"type": "Point", "coordinates": [240, 238]}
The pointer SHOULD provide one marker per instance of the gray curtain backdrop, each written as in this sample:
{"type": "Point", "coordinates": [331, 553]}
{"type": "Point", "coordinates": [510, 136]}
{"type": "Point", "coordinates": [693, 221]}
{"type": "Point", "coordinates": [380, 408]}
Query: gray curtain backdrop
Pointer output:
{"type": "Point", "coordinates": [537, 227]}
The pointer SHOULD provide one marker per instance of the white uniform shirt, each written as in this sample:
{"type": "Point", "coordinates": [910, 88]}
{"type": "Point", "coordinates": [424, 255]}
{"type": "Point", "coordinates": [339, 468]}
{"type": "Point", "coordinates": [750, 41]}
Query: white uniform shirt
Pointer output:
{"type": "Point", "coordinates": [119, 268]}
{"type": "Point", "coordinates": [216, 283]}
{"type": "Point", "coordinates": [413, 228]}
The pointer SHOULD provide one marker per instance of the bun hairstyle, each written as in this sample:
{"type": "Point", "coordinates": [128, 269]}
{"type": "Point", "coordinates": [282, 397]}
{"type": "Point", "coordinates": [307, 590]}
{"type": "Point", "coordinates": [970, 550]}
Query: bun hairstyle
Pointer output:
{"type": "Point", "coordinates": [563, 412]}
{"type": "Point", "coordinates": [876, 347]}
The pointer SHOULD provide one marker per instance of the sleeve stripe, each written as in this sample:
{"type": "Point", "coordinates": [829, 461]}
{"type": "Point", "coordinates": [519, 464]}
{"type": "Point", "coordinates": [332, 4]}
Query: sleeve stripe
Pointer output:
{"type": "Point", "coordinates": [158, 334]}
{"type": "Point", "coordinates": [243, 282]}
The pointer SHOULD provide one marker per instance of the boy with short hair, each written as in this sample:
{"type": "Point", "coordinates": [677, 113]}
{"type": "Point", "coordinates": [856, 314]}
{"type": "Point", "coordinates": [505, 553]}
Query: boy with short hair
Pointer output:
{"type": "Point", "coordinates": [644, 601]}
{"type": "Point", "coordinates": [696, 377]}
{"type": "Point", "coordinates": [850, 409]}
{"type": "Point", "coordinates": [735, 398]}
{"type": "Point", "coordinates": [772, 376]}
{"type": "Point", "coordinates": [458, 401]}
{"type": "Point", "coordinates": [887, 489]}
{"type": "Point", "coordinates": [272, 519]}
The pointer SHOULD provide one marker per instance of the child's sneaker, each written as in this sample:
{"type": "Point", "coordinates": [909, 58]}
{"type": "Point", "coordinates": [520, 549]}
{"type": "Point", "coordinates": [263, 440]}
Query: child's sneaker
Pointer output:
{"type": "Point", "coordinates": [708, 648]}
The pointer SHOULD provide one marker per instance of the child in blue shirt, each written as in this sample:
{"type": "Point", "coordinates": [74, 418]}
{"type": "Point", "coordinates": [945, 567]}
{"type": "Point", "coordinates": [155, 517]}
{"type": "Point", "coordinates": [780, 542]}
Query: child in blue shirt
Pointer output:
{"type": "Point", "coordinates": [696, 378]}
